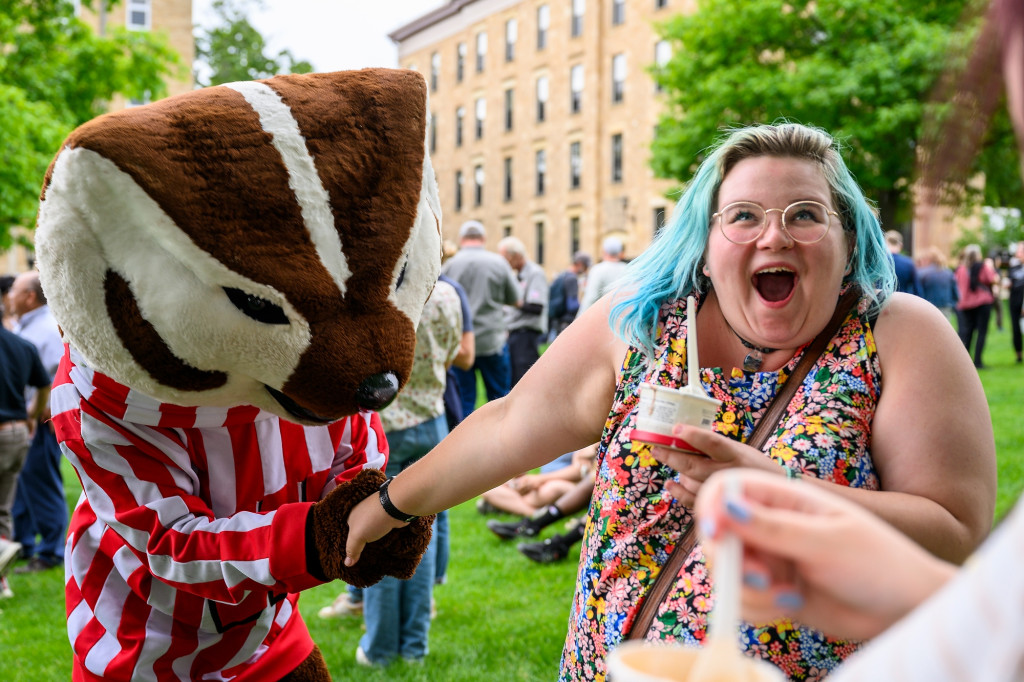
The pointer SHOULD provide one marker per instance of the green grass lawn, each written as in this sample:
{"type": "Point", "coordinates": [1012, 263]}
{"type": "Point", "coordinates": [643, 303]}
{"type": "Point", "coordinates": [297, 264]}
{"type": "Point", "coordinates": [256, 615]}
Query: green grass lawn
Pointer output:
{"type": "Point", "coordinates": [500, 617]}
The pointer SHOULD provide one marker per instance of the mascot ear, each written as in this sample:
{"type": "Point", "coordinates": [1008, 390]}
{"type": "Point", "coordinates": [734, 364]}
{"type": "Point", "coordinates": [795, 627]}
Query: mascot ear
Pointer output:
{"type": "Point", "coordinates": [269, 243]}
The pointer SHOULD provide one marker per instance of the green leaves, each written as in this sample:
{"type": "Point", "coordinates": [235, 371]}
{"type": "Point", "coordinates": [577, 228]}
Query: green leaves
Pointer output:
{"type": "Point", "coordinates": [235, 51]}
{"type": "Point", "coordinates": [58, 73]}
{"type": "Point", "coordinates": [861, 69]}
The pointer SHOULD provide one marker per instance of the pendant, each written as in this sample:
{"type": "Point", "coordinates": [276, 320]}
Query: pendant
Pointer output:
{"type": "Point", "coordinates": [752, 362]}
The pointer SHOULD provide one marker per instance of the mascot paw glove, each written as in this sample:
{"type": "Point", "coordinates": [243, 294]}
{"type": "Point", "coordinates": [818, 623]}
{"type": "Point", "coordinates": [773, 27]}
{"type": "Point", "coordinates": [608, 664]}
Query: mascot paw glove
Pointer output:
{"type": "Point", "coordinates": [396, 554]}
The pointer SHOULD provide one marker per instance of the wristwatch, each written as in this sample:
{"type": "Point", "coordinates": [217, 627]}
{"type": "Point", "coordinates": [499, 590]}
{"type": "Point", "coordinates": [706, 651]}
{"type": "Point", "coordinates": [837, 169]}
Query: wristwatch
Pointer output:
{"type": "Point", "coordinates": [389, 506]}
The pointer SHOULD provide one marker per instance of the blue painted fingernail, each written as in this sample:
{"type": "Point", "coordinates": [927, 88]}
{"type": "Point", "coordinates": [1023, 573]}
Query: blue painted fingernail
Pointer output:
{"type": "Point", "coordinates": [737, 510]}
{"type": "Point", "coordinates": [790, 601]}
{"type": "Point", "coordinates": [708, 527]}
{"type": "Point", "coordinates": [756, 580]}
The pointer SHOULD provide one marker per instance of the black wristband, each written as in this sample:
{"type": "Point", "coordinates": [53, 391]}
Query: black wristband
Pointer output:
{"type": "Point", "coordinates": [389, 506]}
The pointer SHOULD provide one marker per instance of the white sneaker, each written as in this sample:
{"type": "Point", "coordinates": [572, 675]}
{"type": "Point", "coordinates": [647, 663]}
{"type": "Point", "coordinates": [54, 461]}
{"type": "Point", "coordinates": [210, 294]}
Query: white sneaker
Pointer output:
{"type": "Point", "coordinates": [5, 588]}
{"type": "Point", "coordinates": [9, 551]}
{"type": "Point", "coordinates": [342, 606]}
{"type": "Point", "coordinates": [363, 659]}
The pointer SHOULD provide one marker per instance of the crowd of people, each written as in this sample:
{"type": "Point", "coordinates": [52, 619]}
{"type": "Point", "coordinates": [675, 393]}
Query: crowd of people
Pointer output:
{"type": "Point", "coordinates": [971, 293]}
{"type": "Point", "coordinates": [33, 509]}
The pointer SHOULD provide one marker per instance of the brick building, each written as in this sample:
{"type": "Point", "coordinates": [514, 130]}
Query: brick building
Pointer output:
{"type": "Point", "coordinates": [172, 18]}
{"type": "Point", "coordinates": [543, 114]}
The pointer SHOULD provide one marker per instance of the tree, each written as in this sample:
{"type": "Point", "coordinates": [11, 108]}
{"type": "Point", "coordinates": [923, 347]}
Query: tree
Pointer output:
{"type": "Point", "coordinates": [861, 69]}
{"type": "Point", "coordinates": [56, 73]}
{"type": "Point", "coordinates": [235, 51]}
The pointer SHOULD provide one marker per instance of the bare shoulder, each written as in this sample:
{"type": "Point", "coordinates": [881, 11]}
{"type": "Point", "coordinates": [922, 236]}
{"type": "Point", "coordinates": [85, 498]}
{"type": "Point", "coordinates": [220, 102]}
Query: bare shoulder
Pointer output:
{"type": "Point", "coordinates": [910, 324]}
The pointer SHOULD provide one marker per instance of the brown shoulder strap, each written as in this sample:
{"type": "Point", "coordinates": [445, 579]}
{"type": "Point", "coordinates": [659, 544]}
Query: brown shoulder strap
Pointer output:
{"type": "Point", "coordinates": [758, 437]}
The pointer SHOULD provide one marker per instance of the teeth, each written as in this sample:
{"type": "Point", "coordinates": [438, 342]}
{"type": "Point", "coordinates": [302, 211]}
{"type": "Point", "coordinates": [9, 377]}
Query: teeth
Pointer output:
{"type": "Point", "coordinates": [776, 269]}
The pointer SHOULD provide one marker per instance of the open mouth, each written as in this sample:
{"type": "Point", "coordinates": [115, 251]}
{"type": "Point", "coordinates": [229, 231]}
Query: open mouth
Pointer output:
{"type": "Point", "coordinates": [775, 284]}
{"type": "Point", "coordinates": [295, 409]}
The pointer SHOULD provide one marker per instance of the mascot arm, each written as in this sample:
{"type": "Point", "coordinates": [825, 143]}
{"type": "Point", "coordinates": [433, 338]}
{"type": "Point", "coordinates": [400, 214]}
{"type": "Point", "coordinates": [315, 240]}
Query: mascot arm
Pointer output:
{"type": "Point", "coordinates": [360, 458]}
{"type": "Point", "coordinates": [149, 499]}
{"type": "Point", "coordinates": [396, 554]}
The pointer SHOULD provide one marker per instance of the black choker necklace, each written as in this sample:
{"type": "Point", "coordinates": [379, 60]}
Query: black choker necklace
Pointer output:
{"type": "Point", "coordinates": [755, 357]}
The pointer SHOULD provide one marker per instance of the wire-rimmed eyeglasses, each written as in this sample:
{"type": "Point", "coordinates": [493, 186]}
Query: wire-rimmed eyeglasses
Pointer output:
{"type": "Point", "coordinates": [805, 222]}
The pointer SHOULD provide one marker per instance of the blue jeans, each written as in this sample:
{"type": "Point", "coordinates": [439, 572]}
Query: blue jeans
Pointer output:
{"type": "Point", "coordinates": [495, 370]}
{"type": "Point", "coordinates": [397, 612]}
{"type": "Point", "coordinates": [560, 462]}
{"type": "Point", "coordinates": [443, 548]}
{"type": "Point", "coordinates": [39, 504]}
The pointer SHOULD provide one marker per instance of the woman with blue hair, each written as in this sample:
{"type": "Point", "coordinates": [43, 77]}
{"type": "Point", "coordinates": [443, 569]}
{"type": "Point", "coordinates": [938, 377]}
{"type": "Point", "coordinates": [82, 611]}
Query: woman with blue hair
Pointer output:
{"type": "Point", "coordinates": [771, 234]}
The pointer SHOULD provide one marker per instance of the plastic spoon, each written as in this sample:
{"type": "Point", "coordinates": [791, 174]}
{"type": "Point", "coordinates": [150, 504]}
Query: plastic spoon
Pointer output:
{"type": "Point", "coordinates": [721, 659]}
{"type": "Point", "coordinates": [692, 366]}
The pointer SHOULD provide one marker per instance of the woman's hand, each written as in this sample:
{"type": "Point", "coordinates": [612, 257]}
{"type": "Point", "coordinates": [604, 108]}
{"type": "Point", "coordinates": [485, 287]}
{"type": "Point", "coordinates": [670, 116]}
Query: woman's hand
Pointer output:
{"type": "Point", "coordinates": [366, 523]}
{"type": "Point", "coordinates": [717, 452]}
{"type": "Point", "coordinates": [815, 557]}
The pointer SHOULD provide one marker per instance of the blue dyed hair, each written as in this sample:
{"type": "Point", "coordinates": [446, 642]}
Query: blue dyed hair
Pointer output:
{"type": "Point", "coordinates": [670, 268]}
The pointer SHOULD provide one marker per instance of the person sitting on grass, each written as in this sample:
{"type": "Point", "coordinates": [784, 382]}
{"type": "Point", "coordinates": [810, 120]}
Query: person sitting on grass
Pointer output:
{"type": "Point", "coordinates": [529, 494]}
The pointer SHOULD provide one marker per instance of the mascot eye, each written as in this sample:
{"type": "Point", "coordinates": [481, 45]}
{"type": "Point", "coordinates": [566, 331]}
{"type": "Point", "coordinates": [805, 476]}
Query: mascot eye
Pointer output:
{"type": "Point", "coordinates": [401, 276]}
{"type": "Point", "coordinates": [259, 309]}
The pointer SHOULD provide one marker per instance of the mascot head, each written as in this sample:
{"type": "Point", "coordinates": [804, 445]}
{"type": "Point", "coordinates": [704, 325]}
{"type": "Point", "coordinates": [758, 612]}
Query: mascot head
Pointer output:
{"type": "Point", "coordinates": [268, 243]}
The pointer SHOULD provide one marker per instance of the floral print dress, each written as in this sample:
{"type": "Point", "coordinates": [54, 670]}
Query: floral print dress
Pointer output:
{"type": "Point", "coordinates": [632, 526]}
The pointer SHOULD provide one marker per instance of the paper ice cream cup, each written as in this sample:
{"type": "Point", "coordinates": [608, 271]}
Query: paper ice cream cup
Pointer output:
{"type": "Point", "coordinates": [662, 407]}
{"type": "Point", "coordinates": [646, 662]}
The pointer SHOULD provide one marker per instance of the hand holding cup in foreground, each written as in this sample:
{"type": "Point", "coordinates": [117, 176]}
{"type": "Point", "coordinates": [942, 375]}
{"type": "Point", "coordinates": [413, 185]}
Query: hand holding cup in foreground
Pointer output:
{"type": "Point", "coordinates": [815, 557]}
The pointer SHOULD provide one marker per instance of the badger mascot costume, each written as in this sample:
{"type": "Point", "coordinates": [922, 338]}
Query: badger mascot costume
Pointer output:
{"type": "Point", "coordinates": [238, 273]}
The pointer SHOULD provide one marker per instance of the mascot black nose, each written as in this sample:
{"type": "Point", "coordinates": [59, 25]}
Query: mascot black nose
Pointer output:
{"type": "Point", "coordinates": [377, 391]}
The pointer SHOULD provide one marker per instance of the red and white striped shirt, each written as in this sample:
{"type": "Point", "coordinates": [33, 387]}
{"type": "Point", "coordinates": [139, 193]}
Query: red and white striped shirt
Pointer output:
{"type": "Point", "coordinates": [187, 548]}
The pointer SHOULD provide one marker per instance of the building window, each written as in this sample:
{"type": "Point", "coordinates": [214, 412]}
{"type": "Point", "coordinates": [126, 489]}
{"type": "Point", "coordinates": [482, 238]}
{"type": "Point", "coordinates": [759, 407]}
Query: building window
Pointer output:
{"type": "Point", "coordinates": [458, 190]}
{"type": "Point", "coordinates": [660, 4]}
{"type": "Point", "coordinates": [574, 234]}
{"type": "Point", "coordinates": [618, 12]}
{"type": "Point", "coordinates": [662, 53]}
{"type": "Point", "coordinates": [618, 77]}
{"type": "Point", "coordinates": [658, 219]}
{"type": "Point", "coordinates": [506, 230]}
{"type": "Point", "coordinates": [509, 108]}
{"type": "Point", "coordinates": [539, 230]}
{"type": "Point", "coordinates": [617, 157]}
{"type": "Point", "coordinates": [460, 62]}
{"type": "Point", "coordinates": [576, 89]}
{"type": "Point", "coordinates": [506, 193]}
{"type": "Point", "coordinates": [542, 97]}
{"type": "Point", "coordinates": [481, 114]}
{"type": "Point", "coordinates": [543, 24]}
{"type": "Point", "coordinates": [511, 34]}
{"type": "Point", "coordinates": [140, 15]}
{"type": "Point", "coordinates": [481, 51]}
{"type": "Point", "coordinates": [435, 71]}
{"type": "Point", "coordinates": [478, 185]}
{"type": "Point", "coordinates": [578, 8]}
{"type": "Point", "coordinates": [541, 166]}
{"type": "Point", "coordinates": [460, 117]}
{"type": "Point", "coordinates": [575, 165]}
{"type": "Point", "coordinates": [433, 132]}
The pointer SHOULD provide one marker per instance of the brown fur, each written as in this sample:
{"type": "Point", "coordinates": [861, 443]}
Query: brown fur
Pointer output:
{"type": "Point", "coordinates": [145, 345]}
{"type": "Point", "coordinates": [313, 669]}
{"type": "Point", "coordinates": [205, 159]}
{"type": "Point", "coordinates": [396, 554]}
